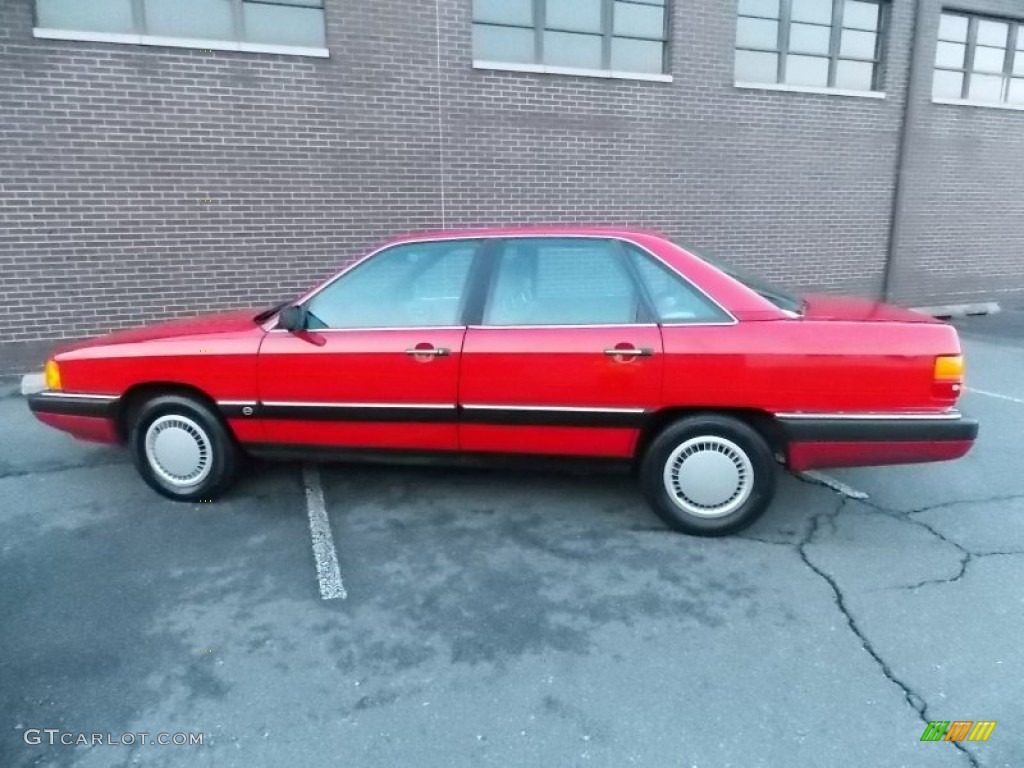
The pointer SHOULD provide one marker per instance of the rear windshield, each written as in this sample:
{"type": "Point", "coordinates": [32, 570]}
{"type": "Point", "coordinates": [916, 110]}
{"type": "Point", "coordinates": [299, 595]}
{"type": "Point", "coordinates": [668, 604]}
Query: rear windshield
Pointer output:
{"type": "Point", "coordinates": [779, 297]}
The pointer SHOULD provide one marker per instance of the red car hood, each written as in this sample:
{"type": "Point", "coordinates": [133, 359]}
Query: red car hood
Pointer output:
{"type": "Point", "coordinates": [224, 322]}
{"type": "Point", "coordinates": [826, 307]}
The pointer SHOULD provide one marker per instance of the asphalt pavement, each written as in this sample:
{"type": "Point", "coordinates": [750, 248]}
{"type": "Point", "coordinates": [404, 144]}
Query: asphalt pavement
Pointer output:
{"type": "Point", "coordinates": [512, 618]}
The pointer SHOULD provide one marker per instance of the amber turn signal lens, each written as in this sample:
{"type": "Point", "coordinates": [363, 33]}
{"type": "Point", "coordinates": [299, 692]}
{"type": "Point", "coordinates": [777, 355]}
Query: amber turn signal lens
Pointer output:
{"type": "Point", "coordinates": [52, 375]}
{"type": "Point", "coordinates": [949, 368]}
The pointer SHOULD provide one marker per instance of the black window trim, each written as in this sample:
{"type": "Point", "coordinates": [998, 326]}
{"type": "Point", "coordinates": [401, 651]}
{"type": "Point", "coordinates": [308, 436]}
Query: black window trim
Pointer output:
{"type": "Point", "coordinates": [1014, 48]}
{"type": "Point", "coordinates": [834, 55]}
{"type": "Point", "coordinates": [607, 34]}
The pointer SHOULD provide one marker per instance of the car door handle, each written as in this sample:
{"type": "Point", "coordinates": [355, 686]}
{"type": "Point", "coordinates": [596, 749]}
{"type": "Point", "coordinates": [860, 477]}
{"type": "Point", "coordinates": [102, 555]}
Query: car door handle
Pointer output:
{"type": "Point", "coordinates": [630, 352]}
{"type": "Point", "coordinates": [434, 351]}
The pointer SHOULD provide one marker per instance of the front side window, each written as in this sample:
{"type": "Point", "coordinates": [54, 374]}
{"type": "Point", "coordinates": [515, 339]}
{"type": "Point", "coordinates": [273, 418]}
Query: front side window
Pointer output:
{"type": "Point", "coordinates": [562, 281]}
{"type": "Point", "coordinates": [414, 285]}
{"type": "Point", "coordinates": [613, 35]}
{"type": "Point", "coordinates": [294, 23]}
{"type": "Point", "coordinates": [813, 43]}
{"type": "Point", "coordinates": [979, 59]}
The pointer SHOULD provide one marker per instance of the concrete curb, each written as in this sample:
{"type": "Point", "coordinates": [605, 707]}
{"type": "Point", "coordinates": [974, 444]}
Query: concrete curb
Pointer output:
{"type": "Point", "coordinates": [960, 310]}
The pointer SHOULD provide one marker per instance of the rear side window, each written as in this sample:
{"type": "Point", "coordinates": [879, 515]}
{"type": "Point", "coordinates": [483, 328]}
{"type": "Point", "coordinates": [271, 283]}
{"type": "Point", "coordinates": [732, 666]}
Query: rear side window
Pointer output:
{"type": "Point", "coordinates": [675, 300]}
{"type": "Point", "coordinates": [561, 281]}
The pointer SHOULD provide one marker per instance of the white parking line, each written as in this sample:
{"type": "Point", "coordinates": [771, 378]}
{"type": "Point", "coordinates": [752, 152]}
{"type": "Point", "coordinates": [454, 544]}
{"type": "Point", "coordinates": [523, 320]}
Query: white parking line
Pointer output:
{"type": "Point", "coordinates": [997, 396]}
{"type": "Point", "coordinates": [324, 554]}
{"type": "Point", "coordinates": [835, 485]}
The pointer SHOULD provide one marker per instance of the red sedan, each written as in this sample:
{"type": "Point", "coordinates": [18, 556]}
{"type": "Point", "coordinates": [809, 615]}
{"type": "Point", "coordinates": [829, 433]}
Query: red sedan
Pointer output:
{"type": "Point", "coordinates": [559, 342]}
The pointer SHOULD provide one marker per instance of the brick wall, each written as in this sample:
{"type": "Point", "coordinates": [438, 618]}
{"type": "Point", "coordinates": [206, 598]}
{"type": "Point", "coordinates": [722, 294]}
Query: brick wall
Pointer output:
{"type": "Point", "coordinates": [109, 152]}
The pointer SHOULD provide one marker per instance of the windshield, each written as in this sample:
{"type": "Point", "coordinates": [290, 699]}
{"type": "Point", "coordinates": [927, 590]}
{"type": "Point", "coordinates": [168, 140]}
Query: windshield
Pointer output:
{"type": "Point", "coordinates": [777, 296]}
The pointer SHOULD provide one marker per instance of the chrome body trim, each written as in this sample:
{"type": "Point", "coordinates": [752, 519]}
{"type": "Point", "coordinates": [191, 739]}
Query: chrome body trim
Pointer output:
{"type": "Point", "coordinates": [60, 395]}
{"type": "Point", "coordinates": [321, 404]}
{"type": "Point", "coordinates": [550, 408]}
{"type": "Point", "coordinates": [943, 415]}
{"type": "Point", "coordinates": [388, 328]}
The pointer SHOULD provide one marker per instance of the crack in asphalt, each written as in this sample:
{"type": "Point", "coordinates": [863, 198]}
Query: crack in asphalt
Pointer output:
{"type": "Point", "coordinates": [914, 699]}
{"type": "Point", "coordinates": [52, 470]}
{"type": "Point", "coordinates": [967, 556]}
{"type": "Point", "coordinates": [947, 504]}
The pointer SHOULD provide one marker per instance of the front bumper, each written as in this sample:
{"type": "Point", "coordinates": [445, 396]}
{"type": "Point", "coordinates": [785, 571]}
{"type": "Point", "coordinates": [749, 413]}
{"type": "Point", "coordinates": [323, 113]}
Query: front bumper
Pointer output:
{"type": "Point", "coordinates": [88, 417]}
{"type": "Point", "coordinates": [818, 441]}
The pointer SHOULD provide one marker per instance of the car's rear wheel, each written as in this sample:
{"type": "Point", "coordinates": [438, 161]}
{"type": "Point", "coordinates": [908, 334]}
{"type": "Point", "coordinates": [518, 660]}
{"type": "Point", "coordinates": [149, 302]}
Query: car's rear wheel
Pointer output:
{"type": "Point", "coordinates": [708, 475]}
{"type": "Point", "coordinates": [182, 449]}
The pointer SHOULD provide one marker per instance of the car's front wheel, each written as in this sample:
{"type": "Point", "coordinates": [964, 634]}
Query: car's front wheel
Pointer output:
{"type": "Point", "coordinates": [708, 475]}
{"type": "Point", "coordinates": [182, 449]}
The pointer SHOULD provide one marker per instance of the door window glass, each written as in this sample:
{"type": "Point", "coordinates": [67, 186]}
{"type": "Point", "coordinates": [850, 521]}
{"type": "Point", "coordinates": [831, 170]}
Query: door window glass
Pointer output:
{"type": "Point", "coordinates": [561, 281]}
{"type": "Point", "coordinates": [414, 285]}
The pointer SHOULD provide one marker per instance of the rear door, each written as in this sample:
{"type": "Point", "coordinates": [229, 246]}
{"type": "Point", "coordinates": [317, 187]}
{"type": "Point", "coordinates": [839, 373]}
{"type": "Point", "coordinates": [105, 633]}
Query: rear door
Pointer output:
{"type": "Point", "coordinates": [564, 356]}
{"type": "Point", "coordinates": [378, 366]}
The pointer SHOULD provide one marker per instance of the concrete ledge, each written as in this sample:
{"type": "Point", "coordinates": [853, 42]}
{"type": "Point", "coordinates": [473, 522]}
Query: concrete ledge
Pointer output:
{"type": "Point", "coordinates": [960, 310]}
{"type": "Point", "coordinates": [32, 383]}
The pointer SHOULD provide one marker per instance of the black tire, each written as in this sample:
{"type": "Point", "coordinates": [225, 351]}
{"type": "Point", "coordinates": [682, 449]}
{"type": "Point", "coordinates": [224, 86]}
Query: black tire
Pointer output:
{"type": "Point", "coordinates": [219, 454]}
{"type": "Point", "coordinates": [721, 437]}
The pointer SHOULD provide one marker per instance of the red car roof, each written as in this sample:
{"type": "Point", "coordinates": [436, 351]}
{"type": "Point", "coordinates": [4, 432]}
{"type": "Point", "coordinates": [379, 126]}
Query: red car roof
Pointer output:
{"type": "Point", "coordinates": [536, 229]}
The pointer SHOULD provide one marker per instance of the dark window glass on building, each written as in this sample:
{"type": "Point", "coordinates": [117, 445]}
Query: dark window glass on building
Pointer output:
{"type": "Point", "coordinates": [979, 59]}
{"type": "Point", "coordinates": [816, 43]}
{"type": "Point", "coordinates": [612, 35]}
{"type": "Point", "coordinates": [297, 23]}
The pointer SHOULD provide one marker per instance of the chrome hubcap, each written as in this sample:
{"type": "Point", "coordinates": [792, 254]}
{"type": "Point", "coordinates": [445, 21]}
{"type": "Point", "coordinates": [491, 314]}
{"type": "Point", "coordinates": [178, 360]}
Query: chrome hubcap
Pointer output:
{"type": "Point", "coordinates": [709, 476]}
{"type": "Point", "coordinates": [178, 450]}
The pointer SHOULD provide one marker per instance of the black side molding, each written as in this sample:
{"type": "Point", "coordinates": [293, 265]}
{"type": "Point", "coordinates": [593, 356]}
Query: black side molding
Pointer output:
{"type": "Point", "coordinates": [65, 404]}
{"type": "Point", "coordinates": [448, 459]}
{"type": "Point", "coordinates": [825, 429]}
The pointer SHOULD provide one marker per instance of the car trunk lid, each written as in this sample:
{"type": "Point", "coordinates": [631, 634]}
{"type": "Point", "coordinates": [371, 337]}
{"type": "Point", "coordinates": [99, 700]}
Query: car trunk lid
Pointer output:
{"type": "Point", "coordinates": [826, 307]}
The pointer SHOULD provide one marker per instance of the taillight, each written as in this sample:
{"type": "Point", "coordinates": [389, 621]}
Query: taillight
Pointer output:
{"type": "Point", "coordinates": [949, 376]}
{"type": "Point", "coordinates": [52, 375]}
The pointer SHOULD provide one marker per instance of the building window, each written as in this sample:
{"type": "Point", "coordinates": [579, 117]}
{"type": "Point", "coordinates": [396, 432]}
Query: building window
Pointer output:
{"type": "Point", "coordinates": [611, 35]}
{"type": "Point", "coordinates": [979, 59]}
{"type": "Point", "coordinates": [814, 43]}
{"type": "Point", "coordinates": [231, 24]}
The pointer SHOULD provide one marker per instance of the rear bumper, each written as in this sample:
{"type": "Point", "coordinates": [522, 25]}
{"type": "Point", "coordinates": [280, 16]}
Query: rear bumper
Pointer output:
{"type": "Point", "coordinates": [87, 417]}
{"type": "Point", "coordinates": [816, 441]}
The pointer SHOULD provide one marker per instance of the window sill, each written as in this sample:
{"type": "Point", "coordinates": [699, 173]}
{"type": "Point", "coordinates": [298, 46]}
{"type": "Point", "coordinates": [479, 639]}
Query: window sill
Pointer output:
{"type": "Point", "coordinates": [982, 104]}
{"type": "Point", "coordinates": [811, 89]}
{"type": "Point", "coordinates": [177, 42]}
{"type": "Point", "coordinates": [541, 69]}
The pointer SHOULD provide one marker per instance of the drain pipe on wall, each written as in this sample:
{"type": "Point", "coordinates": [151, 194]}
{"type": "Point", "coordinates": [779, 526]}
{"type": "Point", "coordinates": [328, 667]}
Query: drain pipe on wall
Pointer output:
{"type": "Point", "coordinates": [440, 116]}
{"type": "Point", "coordinates": [910, 110]}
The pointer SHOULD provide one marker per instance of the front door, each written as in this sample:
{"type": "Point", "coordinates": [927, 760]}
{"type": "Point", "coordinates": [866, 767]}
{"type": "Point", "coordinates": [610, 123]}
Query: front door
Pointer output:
{"type": "Point", "coordinates": [378, 366]}
{"type": "Point", "coordinates": [566, 358]}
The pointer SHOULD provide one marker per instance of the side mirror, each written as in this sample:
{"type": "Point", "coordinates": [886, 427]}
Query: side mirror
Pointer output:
{"type": "Point", "coordinates": [292, 318]}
